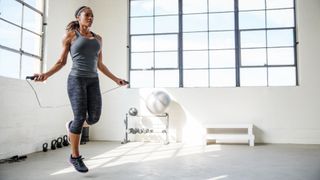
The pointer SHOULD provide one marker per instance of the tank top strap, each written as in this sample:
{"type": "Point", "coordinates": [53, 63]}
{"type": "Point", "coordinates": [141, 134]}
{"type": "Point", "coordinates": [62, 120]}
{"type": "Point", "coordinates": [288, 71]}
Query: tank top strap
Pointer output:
{"type": "Point", "coordinates": [93, 34]}
{"type": "Point", "coordinates": [77, 33]}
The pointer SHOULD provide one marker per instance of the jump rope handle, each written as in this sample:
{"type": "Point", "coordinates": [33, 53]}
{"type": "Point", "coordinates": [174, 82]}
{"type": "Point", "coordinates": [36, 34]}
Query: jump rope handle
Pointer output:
{"type": "Point", "coordinates": [31, 77]}
{"type": "Point", "coordinates": [127, 82]}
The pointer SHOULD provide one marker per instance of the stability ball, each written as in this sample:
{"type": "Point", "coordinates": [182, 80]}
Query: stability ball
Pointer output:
{"type": "Point", "coordinates": [157, 102]}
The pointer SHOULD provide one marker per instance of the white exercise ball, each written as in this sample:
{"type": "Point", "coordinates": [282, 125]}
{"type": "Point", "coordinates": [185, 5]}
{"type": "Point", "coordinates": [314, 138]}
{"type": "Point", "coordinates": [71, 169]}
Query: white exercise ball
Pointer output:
{"type": "Point", "coordinates": [157, 102]}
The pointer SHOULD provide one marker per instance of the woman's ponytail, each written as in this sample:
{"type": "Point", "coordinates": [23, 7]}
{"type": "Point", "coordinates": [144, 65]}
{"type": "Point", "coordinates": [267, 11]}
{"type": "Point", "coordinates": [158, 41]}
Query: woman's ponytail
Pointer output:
{"type": "Point", "coordinates": [73, 25]}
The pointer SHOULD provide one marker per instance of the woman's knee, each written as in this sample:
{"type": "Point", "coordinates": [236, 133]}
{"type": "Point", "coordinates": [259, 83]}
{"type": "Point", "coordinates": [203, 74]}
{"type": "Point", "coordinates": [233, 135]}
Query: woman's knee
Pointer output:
{"type": "Point", "coordinates": [93, 119]}
{"type": "Point", "coordinates": [76, 127]}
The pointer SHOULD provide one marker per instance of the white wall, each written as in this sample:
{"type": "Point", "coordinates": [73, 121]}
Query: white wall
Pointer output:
{"type": "Point", "coordinates": [280, 114]}
{"type": "Point", "coordinates": [24, 126]}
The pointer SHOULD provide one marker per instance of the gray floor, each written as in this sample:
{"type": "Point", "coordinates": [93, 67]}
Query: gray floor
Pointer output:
{"type": "Point", "coordinates": [111, 160]}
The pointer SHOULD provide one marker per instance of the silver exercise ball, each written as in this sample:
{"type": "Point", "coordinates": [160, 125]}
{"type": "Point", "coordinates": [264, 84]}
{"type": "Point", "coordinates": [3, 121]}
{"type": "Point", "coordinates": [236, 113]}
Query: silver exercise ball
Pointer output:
{"type": "Point", "coordinates": [133, 111]}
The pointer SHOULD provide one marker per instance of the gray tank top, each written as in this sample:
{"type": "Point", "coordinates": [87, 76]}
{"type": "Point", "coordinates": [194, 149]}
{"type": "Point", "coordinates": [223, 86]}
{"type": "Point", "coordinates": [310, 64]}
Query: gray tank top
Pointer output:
{"type": "Point", "coordinates": [84, 53]}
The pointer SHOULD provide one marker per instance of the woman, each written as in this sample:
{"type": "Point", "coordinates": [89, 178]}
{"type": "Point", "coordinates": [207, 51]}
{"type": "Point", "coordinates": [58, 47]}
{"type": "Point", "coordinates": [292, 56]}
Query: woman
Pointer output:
{"type": "Point", "coordinates": [83, 83]}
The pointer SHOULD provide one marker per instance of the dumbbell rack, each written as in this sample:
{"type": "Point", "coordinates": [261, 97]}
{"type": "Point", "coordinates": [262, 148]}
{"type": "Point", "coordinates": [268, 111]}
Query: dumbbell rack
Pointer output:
{"type": "Point", "coordinates": [166, 130]}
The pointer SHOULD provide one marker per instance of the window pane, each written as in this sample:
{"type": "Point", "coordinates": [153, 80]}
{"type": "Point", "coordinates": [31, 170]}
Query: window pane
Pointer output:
{"type": "Point", "coordinates": [11, 11]}
{"type": "Point", "coordinates": [195, 78]}
{"type": "Point", "coordinates": [280, 18]}
{"type": "Point", "coordinates": [9, 35]}
{"type": "Point", "coordinates": [141, 8]}
{"type": "Point", "coordinates": [221, 5]}
{"type": "Point", "coordinates": [141, 25]}
{"type": "Point", "coordinates": [253, 76]}
{"type": "Point", "coordinates": [32, 20]}
{"type": "Point", "coordinates": [141, 60]}
{"type": "Point", "coordinates": [222, 58]}
{"type": "Point", "coordinates": [221, 21]}
{"type": "Point", "coordinates": [166, 42]}
{"type": "Point", "coordinates": [38, 4]}
{"type": "Point", "coordinates": [196, 22]}
{"type": "Point", "coordinates": [222, 40]}
{"type": "Point", "coordinates": [141, 43]}
{"type": "Point", "coordinates": [253, 57]}
{"type": "Point", "coordinates": [279, 4]}
{"type": "Point", "coordinates": [141, 79]}
{"type": "Point", "coordinates": [253, 39]}
{"type": "Point", "coordinates": [192, 6]}
{"type": "Point", "coordinates": [9, 64]}
{"type": "Point", "coordinates": [222, 78]}
{"type": "Point", "coordinates": [251, 4]}
{"type": "Point", "coordinates": [195, 41]}
{"type": "Point", "coordinates": [166, 24]}
{"type": "Point", "coordinates": [166, 7]}
{"type": "Point", "coordinates": [280, 56]}
{"type": "Point", "coordinates": [31, 43]}
{"type": "Point", "coordinates": [195, 59]}
{"type": "Point", "coordinates": [166, 59]}
{"type": "Point", "coordinates": [167, 78]}
{"type": "Point", "coordinates": [29, 66]}
{"type": "Point", "coordinates": [282, 76]}
{"type": "Point", "coordinates": [280, 38]}
{"type": "Point", "coordinates": [252, 20]}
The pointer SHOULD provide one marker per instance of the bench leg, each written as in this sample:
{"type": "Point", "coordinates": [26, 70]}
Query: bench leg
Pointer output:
{"type": "Point", "coordinates": [251, 142]}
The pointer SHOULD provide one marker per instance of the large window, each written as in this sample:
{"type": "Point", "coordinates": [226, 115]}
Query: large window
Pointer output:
{"type": "Point", "coordinates": [21, 36]}
{"type": "Point", "coordinates": [212, 43]}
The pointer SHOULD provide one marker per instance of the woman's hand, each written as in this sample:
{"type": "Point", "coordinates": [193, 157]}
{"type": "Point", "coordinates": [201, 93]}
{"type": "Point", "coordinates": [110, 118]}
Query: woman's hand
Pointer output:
{"type": "Point", "coordinates": [121, 82]}
{"type": "Point", "coordinates": [41, 77]}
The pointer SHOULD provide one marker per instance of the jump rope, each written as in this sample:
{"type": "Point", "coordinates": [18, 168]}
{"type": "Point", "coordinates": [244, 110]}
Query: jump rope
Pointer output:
{"type": "Point", "coordinates": [64, 105]}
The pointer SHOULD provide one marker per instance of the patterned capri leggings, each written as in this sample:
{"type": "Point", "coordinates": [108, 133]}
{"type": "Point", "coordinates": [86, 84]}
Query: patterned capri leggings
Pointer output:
{"type": "Point", "coordinates": [85, 98]}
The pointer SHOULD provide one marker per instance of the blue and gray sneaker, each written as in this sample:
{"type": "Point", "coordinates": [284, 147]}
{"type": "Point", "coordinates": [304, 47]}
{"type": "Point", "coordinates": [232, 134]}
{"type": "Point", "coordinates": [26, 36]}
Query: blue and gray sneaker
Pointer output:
{"type": "Point", "coordinates": [78, 164]}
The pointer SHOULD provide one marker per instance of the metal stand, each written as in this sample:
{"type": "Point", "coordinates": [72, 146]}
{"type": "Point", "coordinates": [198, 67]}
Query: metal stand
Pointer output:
{"type": "Point", "coordinates": [136, 130]}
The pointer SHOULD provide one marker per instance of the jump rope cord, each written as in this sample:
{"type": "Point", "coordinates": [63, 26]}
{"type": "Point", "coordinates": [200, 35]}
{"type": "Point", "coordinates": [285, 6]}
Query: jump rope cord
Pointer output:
{"type": "Point", "coordinates": [64, 105]}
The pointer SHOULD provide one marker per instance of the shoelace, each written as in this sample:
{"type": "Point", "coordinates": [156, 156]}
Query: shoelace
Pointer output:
{"type": "Point", "coordinates": [79, 161]}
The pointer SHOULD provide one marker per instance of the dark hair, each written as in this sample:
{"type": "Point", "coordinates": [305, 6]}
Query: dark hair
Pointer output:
{"type": "Point", "coordinates": [74, 25]}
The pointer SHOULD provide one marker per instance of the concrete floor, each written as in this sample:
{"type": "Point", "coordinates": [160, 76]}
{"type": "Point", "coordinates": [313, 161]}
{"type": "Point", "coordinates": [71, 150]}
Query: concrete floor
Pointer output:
{"type": "Point", "coordinates": [111, 160]}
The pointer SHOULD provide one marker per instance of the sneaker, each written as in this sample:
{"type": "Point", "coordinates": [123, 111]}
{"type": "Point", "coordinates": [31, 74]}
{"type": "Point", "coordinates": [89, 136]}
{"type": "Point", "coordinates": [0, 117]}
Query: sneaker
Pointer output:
{"type": "Point", "coordinates": [78, 164]}
{"type": "Point", "coordinates": [68, 130]}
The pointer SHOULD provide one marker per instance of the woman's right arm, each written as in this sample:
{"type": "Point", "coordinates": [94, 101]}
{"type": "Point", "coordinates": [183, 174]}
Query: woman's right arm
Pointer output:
{"type": "Point", "coordinates": [67, 39]}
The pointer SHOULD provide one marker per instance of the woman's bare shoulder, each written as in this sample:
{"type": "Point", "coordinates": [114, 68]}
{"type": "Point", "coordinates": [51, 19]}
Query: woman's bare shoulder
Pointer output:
{"type": "Point", "coordinates": [69, 36]}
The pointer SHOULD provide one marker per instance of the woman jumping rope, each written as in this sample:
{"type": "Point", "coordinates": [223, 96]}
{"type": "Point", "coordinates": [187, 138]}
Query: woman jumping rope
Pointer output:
{"type": "Point", "coordinates": [83, 82]}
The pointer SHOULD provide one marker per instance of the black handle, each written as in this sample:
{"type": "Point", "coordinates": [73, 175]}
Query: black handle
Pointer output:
{"type": "Point", "coordinates": [45, 147]}
{"type": "Point", "coordinates": [31, 77]}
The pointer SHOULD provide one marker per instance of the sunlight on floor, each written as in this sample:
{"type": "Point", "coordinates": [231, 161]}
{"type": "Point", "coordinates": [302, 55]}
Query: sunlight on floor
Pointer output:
{"type": "Point", "coordinates": [135, 152]}
{"type": "Point", "coordinates": [218, 177]}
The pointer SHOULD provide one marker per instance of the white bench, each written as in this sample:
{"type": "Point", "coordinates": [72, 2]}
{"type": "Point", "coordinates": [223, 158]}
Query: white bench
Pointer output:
{"type": "Point", "coordinates": [247, 136]}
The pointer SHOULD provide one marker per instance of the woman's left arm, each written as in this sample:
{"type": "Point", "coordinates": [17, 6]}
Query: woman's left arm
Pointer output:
{"type": "Point", "coordinates": [103, 68]}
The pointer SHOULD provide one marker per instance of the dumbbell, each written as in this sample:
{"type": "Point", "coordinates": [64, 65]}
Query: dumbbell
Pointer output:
{"type": "Point", "coordinates": [164, 131]}
{"type": "Point", "coordinates": [136, 130]}
{"type": "Point", "coordinates": [130, 130]}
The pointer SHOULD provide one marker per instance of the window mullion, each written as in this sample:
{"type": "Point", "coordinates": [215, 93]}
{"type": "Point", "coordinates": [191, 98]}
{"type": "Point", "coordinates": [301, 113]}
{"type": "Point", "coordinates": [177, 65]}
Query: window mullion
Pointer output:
{"type": "Point", "coordinates": [237, 41]}
{"type": "Point", "coordinates": [180, 44]}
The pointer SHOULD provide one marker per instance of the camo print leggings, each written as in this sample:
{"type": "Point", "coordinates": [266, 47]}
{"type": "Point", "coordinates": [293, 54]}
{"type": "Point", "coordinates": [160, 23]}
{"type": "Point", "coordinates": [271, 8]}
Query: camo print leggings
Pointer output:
{"type": "Point", "coordinates": [85, 98]}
